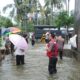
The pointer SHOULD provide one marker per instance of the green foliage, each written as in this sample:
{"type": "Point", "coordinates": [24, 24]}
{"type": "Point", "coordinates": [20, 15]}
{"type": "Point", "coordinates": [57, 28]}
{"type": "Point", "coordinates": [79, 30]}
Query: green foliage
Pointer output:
{"type": "Point", "coordinates": [5, 22]}
{"type": "Point", "coordinates": [8, 23]}
{"type": "Point", "coordinates": [30, 26]}
{"type": "Point", "coordinates": [63, 19]}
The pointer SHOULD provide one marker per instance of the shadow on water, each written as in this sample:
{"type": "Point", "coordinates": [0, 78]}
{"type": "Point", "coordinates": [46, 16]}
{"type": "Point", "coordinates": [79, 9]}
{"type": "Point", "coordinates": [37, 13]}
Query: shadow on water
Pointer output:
{"type": "Point", "coordinates": [36, 67]}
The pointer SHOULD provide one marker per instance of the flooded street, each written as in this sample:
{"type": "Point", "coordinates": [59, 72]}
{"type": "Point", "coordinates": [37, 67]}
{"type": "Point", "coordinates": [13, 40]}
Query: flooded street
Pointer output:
{"type": "Point", "coordinates": [35, 68]}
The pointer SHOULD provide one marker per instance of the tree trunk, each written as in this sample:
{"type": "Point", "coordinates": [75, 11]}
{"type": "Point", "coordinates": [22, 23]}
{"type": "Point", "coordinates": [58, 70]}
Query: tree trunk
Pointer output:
{"type": "Point", "coordinates": [68, 6]}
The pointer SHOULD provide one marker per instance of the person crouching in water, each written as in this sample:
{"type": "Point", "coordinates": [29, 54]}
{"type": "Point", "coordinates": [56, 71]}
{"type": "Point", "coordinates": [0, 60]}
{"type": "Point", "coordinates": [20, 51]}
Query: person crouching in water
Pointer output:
{"type": "Point", "coordinates": [52, 53]}
{"type": "Point", "coordinates": [19, 56]}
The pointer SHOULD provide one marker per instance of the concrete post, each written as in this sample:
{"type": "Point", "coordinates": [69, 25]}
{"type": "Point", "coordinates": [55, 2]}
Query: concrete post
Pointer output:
{"type": "Point", "coordinates": [77, 21]}
{"type": "Point", "coordinates": [0, 37]}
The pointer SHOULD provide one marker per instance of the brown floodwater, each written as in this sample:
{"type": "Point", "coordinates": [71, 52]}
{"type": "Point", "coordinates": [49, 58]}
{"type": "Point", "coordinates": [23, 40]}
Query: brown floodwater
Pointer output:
{"type": "Point", "coordinates": [36, 67]}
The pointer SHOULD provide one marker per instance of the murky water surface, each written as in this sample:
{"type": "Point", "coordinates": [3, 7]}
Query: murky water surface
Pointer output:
{"type": "Point", "coordinates": [35, 68]}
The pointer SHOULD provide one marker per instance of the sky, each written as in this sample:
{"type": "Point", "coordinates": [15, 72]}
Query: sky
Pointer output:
{"type": "Point", "coordinates": [5, 2]}
{"type": "Point", "coordinates": [72, 4]}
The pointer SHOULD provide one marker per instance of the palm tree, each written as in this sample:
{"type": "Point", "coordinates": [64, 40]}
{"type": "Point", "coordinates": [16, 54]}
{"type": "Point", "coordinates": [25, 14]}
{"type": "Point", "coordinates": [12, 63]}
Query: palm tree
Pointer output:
{"type": "Point", "coordinates": [45, 11]}
{"type": "Point", "coordinates": [18, 7]}
{"type": "Point", "coordinates": [66, 2]}
{"type": "Point", "coordinates": [52, 4]}
{"type": "Point", "coordinates": [12, 12]}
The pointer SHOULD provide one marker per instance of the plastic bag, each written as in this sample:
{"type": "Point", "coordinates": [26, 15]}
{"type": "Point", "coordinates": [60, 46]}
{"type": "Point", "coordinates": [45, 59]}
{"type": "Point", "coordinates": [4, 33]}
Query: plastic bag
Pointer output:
{"type": "Point", "coordinates": [72, 41]}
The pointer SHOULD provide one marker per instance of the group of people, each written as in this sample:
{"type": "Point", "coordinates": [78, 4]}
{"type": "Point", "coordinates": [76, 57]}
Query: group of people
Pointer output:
{"type": "Point", "coordinates": [32, 38]}
{"type": "Point", "coordinates": [10, 48]}
{"type": "Point", "coordinates": [54, 46]}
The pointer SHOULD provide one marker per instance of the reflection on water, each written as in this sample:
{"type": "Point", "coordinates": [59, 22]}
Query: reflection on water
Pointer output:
{"type": "Point", "coordinates": [35, 67]}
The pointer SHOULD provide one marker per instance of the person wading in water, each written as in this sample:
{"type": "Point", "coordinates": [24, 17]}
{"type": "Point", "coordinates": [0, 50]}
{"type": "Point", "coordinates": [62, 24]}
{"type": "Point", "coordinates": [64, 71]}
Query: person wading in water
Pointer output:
{"type": "Point", "coordinates": [52, 53]}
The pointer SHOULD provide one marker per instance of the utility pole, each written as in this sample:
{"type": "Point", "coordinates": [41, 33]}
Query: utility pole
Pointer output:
{"type": "Point", "coordinates": [37, 12]}
{"type": "Point", "coordinates": [68, 6]}
{"type": "Point", "coordinates": [77, 22]}
{"type": "Point", "coordinates": [0, 37]}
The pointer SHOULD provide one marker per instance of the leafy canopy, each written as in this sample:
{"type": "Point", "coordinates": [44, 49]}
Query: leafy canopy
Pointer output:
{"type": "Point", "coordinates": [5, 22]}
{"type": "Point", "coordinates": [63, 19]}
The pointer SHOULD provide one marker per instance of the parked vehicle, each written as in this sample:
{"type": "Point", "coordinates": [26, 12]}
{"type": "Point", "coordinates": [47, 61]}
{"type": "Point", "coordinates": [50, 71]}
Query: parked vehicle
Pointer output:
{"type": "Point", "coordinates": [42, 29]}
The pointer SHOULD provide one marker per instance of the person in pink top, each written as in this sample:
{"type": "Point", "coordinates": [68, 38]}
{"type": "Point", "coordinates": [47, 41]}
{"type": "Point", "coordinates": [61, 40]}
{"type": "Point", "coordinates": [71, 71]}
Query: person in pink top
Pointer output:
{"type": "Point", "coordinates": [52, 53]}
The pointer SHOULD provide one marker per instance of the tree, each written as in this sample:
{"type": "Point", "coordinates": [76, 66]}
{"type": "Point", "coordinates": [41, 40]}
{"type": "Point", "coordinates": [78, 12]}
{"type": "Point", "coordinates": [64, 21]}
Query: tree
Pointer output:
{"type": "Point", "coordinates": [63, 19]}
{"type": "Point", "coordinates": [30, 26]}
{"type": "Point", "coordinates": [12, 12]}
{"type": "Point", "coordinates": [66, 2]}
{"type": "Point", "coordinates": [24, 7]}
{"type": "Point", "coordinates": [20, 8]}
{"type": "Point", "coordinates": [51, 5]}
{"type": "Point", "coordinates": [5, 22]}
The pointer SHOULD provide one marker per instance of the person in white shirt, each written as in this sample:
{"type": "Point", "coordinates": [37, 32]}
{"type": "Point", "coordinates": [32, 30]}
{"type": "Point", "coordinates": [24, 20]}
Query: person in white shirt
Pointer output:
{"type": "Point", "coordinates": [19, 56]}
